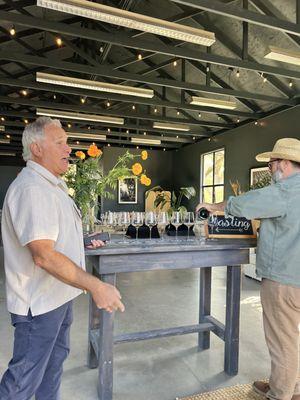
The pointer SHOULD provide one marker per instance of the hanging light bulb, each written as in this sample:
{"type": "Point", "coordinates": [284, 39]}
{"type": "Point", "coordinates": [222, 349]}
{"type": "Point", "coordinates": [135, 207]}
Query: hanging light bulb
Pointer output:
{"type": "Point", "coordinates": [140, 57]}
{"type": "Point", "coordinates": [175, 63]}
{"type": "Point", "coordinates": [178, 113]}
{"type": "Point", "coordinates": [69, 125]}
{"type": "Point", "coordinates": [24, 92]}
{"type": "Point", "coordinates": [58, 41]}
{"type": "Point", "coordinates": [12, 31]}
{"type": "Point", "coordinates": [199, 115]}
{"type": "Point", "coordinates": [108, 103]}
{"type": "Point", "coordinates": [133, 107]}
{"type": "Point", "coordinates": [82, 99]}
{"type": "Point", "coordinates": [155, 110]}
{"type": "Point", "coordinates": [54, 96]}
{"type": "Point", "coordinates": [290, 84]}
{"type": "Point", "coordinates": [237, 73]}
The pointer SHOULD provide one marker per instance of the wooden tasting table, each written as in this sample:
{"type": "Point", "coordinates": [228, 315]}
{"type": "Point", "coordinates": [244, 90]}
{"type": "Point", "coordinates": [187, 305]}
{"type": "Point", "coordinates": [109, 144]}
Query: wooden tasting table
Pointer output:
{"type": "Point", "coordinates": [163, 254]}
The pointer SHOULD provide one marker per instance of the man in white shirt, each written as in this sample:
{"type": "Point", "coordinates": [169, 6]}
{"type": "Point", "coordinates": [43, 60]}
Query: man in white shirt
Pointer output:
{"type": "Point", "coordinates": [44, 265]}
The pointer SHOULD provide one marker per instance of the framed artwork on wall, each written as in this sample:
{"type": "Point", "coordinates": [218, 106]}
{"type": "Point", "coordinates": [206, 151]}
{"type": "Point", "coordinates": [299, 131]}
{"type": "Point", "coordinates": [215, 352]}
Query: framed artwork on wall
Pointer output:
{"type": "Point", "coordinates": [260, 174]}
{"type": "Point", "coordinates": [127, 191]}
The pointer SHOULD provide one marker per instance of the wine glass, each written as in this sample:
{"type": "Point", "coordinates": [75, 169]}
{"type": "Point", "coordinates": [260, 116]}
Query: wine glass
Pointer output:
{"type": "Point", "coordinates": [124, 220]}
{"type": "Point", "coordinates": [150, 220]}
{"type": "Point", "coordinates": [200, 222]}
{"type": "Point", "coordinates": [189, 220]}
{"type": "Point", "coordinates": [162, 220]}
{"type": "Point", "coordinates": [137, 220]}
{"type": "Point", "coordinates": [176, 220]}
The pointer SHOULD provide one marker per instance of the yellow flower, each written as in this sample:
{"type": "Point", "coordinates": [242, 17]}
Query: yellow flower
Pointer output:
{"type": "Point", "coordinates": [93, 151]}
{"type": "Point", "coordinates": [145, 180]}
{"type": "Point", "coordinates": [148, 182]}
{"type": "Point", "coordinates": [144, 155]}
{"type": "Point", "coordinates": [80, 154]}
{"type": "Point", "coordinates": [137, 168]}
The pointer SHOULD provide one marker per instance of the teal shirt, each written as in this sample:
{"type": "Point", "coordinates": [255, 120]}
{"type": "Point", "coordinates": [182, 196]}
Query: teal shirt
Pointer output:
{"type": "Point", "coordinates": [278, 208]}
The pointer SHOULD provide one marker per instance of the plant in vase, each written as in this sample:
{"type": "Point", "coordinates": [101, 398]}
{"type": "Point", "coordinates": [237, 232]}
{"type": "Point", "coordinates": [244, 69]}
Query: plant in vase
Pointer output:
{"type": "Point", "coordinates": [87, 182]}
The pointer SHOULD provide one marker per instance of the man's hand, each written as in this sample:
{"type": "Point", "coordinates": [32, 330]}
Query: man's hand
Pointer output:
{"type": "Point", "coordinates": [212, 207]}
{"type": "Point", "coordinates": [107, 296]}
{"type": "Point", "coordinates": [95, 244]}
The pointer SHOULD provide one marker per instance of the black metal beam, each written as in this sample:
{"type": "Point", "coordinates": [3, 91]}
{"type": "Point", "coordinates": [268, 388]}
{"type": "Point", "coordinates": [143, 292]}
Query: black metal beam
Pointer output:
{"type": "Point", "coordinates": [124, 40]}
{"type": "Point", "coordinates": [95, 110]}
{"type": "Point", "coordinates": [243, 15]}
{"type": "Point", "coordinates": [109, 72]}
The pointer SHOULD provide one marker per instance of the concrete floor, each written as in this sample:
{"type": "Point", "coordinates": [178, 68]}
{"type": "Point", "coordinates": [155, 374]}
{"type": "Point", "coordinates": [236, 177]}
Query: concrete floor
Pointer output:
{"type": "Point", "coordinates": [160, 369]}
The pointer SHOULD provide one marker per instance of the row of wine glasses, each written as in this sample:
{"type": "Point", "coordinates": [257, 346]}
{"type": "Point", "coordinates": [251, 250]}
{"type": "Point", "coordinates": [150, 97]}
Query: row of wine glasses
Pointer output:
{"type": "Point", "coordinates": [124, 219]}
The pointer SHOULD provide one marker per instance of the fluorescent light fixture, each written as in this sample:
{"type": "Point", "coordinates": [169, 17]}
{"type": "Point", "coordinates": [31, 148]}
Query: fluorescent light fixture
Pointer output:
{"type": "Point", "coordinates": [172, 127]}
{"type": "Point", "coordinates": [93, 85]}
{"type": "Point", "coordinates": [86, 136]}
{"type": "Point", "coordinates": [80, 116]}
{"type": "Point", "coordinates": [7, 153]}
{"type": "Point", "coordinates": [80, 146]}
{"type": "Point", "coordinates": [203, 101]}
{"type": "Point", "coordinates": [116, 16]}
{"type": "Point", "coordinates": [287, 56]}
{"type": "Point", "coordinates": [145, 141]}
{"type": "Point", "coordinates": [4, 141]}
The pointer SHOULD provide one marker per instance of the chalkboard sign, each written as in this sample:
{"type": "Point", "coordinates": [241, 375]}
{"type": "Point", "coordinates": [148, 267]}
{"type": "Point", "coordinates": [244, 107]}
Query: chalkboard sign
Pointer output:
{"type": "Point", "coordinates": [219, 226]}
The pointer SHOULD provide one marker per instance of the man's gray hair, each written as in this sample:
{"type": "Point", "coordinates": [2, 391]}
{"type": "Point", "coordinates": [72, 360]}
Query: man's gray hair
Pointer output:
{"type": "Point", "coordinates": [35, 132]}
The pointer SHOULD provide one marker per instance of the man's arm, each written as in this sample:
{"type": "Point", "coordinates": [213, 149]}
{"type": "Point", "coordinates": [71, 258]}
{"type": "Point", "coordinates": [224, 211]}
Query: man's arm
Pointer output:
{"type": "Point", "coordinates": [61, 267]}
{"type": "Point", "coordinates": [212, 207]}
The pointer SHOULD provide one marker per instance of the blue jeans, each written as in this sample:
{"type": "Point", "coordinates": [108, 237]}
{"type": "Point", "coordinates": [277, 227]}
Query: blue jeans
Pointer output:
{"type": "Point", "coordinates": [41, 345]}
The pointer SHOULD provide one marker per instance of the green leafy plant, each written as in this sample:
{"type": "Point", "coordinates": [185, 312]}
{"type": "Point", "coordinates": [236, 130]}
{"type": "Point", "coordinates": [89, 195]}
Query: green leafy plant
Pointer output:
{"type": "Point", "coordinates": [87, 182]}
{"type": "Point", "coordinates": [164, 197]}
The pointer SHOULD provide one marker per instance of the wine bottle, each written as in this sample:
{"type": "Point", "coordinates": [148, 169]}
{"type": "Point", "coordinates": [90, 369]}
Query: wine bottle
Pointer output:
{"type": "Point", "coordinates": [203, 213]}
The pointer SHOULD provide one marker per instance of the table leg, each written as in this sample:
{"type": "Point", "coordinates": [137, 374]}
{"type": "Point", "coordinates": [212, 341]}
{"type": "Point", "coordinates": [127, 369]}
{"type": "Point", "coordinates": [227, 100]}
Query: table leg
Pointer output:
{"type": "Point", "coordinates": [233, 291]}
{"type": "Point", "coordinates": [106, 343]}
{"type": "Point", "coordinates": [94, 322]}
{"type": "Point", "coordinates": [204, 306]}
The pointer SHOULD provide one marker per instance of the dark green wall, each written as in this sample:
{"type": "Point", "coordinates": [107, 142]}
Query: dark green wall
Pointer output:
{"type": "Point", "coordinates": [7, 175]}
{"type": "Point", "coordinates": [241, 146]}
{"type": "Point", "coordinates": [158, 167]}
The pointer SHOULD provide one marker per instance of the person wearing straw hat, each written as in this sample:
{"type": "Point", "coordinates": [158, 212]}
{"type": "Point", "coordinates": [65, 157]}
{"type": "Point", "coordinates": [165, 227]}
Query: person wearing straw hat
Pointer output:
{"type": "Point", "coordinates": [277, 262]}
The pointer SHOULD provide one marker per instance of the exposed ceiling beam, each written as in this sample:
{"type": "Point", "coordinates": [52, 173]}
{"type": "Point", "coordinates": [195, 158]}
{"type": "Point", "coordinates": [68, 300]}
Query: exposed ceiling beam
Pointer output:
{"type": "Point", "coordinates": [109, 72]}
{"type": "Point", "coordinates": [95, 110]}
{"type": "Point", "coordinates": [98, 126]}
{"type": "Point", "coordinates": [124, 40]}
{"type": "Point", "coordinates": [243, 15]}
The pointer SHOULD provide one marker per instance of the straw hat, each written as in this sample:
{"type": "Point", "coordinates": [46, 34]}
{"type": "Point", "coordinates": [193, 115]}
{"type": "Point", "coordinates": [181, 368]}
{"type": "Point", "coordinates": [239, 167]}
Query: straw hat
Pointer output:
{"type": "Point", "coordinates": [285, 149]}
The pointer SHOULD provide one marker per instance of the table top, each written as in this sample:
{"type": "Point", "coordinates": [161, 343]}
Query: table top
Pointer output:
{"type": "Point", "coordinates": [168, 244]}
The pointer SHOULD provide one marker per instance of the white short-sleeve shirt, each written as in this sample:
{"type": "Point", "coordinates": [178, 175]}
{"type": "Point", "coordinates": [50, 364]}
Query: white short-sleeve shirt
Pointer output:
{"type": "Point", "coordinates": [37, 206]}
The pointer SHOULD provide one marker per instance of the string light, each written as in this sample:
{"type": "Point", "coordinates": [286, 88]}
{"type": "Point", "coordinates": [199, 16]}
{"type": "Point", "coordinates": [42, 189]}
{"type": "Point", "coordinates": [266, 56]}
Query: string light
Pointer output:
{"type": "Point", "coordinates": [12, 31]}
{"type": "Point", "coordinates": [290, 84]}
{"type": "Point", "coordinates": [8, 136]}
{"type": "Point", "coordinates": [199, 115]}
{"type": "Point", "coordinates": [108, 144]}
{"type": "Point", "coordinates": [108, 103]}
{"type": "Point", "coordinates": [140, 57]}
{"type": "Point", "coordinates": [108, 130]}
{"type": "Point", "coordinates": [155, 110]}
{"type": "Point", "coordinates": [2, 119]}
{"type": "Point", "coordinates": [77, 142]}
{"type": "Point", "coordinates": [133, 107]}
{"type": "Point", "coordinates": [178, 113]}
{"type": "Point", "coordinates": [194, 138]}
{"type": "Point", "coordinates": [24, 92]}
{"type": "Point", "coordinates": [69, 125]}
{"type": "Point", "coordinates": [175, 63]}
{"type": "Point", "coordinates": [82, 99]}
{"type": "Point", "coordinates": [164, 149]}
{"type": "Point", "coordinates": [26, 121]}
{"type": "Point", "coordinates": [177, 137]}
{"type": "Point", "coordinates": [58, 41]}
{"type": "Point", "coordinates": [89, 128]}
{"type": "Point", "coordinates": [237, 73]}
{"type": "Point", "coordinates": [54, 96]}
{"type": "Point", "coordinates": [145, 133]}
{"type": "Point", "coordinates": [137, 147]}
{"type": "Point", "coordinates": [255, 123]}
{"type": "Point", "coordinates": [238, 120]}
{"type": "Point", "coordinates": [127, 131]}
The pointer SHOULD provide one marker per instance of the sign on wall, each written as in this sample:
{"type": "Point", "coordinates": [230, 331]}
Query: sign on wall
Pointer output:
{"type": "Point", "coordinates": [219, 226]}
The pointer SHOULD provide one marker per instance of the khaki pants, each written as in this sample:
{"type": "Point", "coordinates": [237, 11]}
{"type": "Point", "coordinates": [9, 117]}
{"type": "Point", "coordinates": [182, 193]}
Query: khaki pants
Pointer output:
{"type": "Point", "coordinates": [281, 317]}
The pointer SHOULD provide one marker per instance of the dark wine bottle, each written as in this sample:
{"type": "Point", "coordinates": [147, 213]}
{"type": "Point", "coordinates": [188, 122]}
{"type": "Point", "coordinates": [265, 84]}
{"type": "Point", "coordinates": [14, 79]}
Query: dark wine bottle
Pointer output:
{"type": "Point", "coordinates": [203, 213]}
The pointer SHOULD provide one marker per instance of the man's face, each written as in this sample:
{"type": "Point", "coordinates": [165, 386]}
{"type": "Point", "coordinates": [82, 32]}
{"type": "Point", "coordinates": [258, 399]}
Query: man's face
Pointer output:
{"type": "Point", "coordinates": [53, 152]}
{"type": "Point", "coordinates": [275, 170]}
